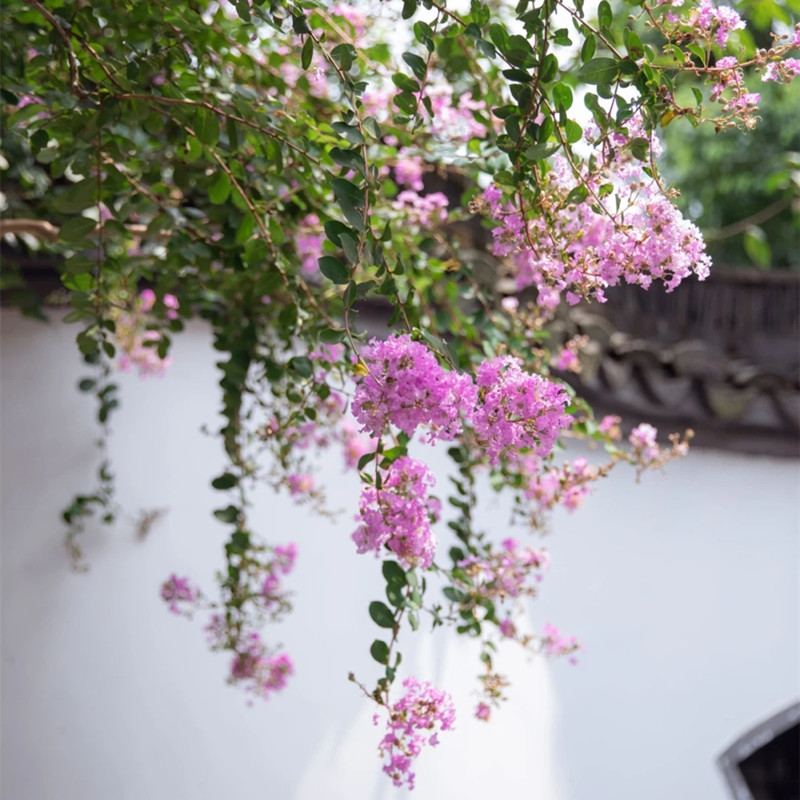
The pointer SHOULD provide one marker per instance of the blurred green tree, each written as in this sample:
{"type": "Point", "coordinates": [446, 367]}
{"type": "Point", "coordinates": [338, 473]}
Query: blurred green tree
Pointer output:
{"type": "Point", "coordinates": [743, 192]}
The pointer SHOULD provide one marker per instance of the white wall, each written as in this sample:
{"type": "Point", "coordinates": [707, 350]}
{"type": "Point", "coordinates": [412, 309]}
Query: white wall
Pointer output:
{"type": "Point", "coordinates": [684, 590]}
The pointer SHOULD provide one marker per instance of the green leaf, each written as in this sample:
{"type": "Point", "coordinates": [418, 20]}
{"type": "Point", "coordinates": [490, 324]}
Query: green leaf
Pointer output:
{"type": "Point", "coordinates": [302, 366]}
{"type": "Point", "coordinates": [349, 132]}
{"type": "Point", "coordinates": [588, 48]}
{"type": "Point", "coordinates": [206, 126]}
{"type": "Point", "coordinates": [245, 228]}
{"type": "Point", "coordinates": [604, 14]}
{"type": "Point", "coordinates": [562, 96]}
{"type": "Point", "coordinates": [350, 247]}
{"type": "Point", "coordinates": [418, 66]}
{"type": "Point", "coordinates": [380, 651]}
{"type": "Point", "coordinates": [381, 614]}
{"type": "Point", "coordinates": [344, 55]}
{"type": "Point", "coordinates": [405, 83]}
{"type": "Point", "coordinates": [574, 131]}
{"type": "Point", "coordinates": [220, 190]}
{"type": "Point", "coordinates": [334, 270]}
{"type": "Point", "coordinates": [351, 159]}
{"type": "Point", "coordinates": [233, 135]}
{"type": "Point", "coordinates": [371, 127]}
{"type": "Point", "coordinates": [350, 294]}
{"type": "Point", "coordinates": [300, 24]}
{"type": "Point", "coordinates": [394, 592]}
{"type": "Point", "coordinates": [640, 147]}
{"type": "Point", "coordinates": [75, 230]}
{"type": "Point", "coordinates": [227, 514]}
{"type": "Point", "coordinates": [225, 481]}
{"type": "Point", "coordinates": [353, 214]}
{"type": "Point", "coordinates": [344, 189]}
{"type": "Point", "coordinates": [364, 460]}
{"type": "Point", "coordinates": [757, 246]}
{"type": "Point", "coordinates": [392, 571]}
{"type": "Point", "coordinates": [307, 53]}
{"type": "Point", "coordinates": [332, 336]}
{"type": "Point", "coordinates": [577, 195]}
{"type": "Point", "coordinates": [79, 196]}
{"type": "Point", "coordinates": [549, 68]}
{"type": "Point", "coordinates": [599, 70]}
{"type": "Point", "coordinates": [238, 544]}
{"type": "Point", "coordinates": [334, 230]}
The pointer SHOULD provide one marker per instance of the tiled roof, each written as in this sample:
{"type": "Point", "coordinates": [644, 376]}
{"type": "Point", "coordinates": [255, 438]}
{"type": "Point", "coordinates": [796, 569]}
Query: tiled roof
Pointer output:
{"type": "Point", "coordinates": [721, 357]}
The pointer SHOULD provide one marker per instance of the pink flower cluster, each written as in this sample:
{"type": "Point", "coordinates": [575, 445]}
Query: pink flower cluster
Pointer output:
{"type": "Point", "coordinates": [398, 515]}
{"type": "Point", "coordinates": [634, 233]}
{"type": "Point", "coordinates": [454, 121]}
{"type": "Point", "coordinates": [300, 484]}
{"type": "Point", "coordinates": [555, 644]}
{"type": "Point", "coordinates": [414, 721]}
{"type": "Point", "coordinates": [407, 387]}
{"type": "Point", "coordinates": [504, 573]}
{"type": "Point", "coordinates": [517, 410]}
{"type": "Point", "coordinates": [136, 339]}
{"type": "Point", "coordinates": [708, 20]}
{"type": "Point", "coordinates": [354, 16]}
{"type": "Point", "coordinates": [782, 71]}
{"type": "Point", "coordinates": [309, 245]}
{"type": "Point", "coordinates": [567, 485]}
{"type": "Point", "coordinates": [354, 446]}
{"type": "Point", "coordinates": [178, 593]}
{"type": "Point", "coordinates": [283, 561]}
{"type": "Point", "coordinates": [508, 408]}
{"type": "Point", "coordinates": [422, 210]}
{"type": "Point", "coordinates": [643, 441]}
{"type": "Point", "coordinates": [262, 675]}
{"type": "Point", "coordinates": [453, 117]}
{"type": "Point", "coordinates": [408, 170]}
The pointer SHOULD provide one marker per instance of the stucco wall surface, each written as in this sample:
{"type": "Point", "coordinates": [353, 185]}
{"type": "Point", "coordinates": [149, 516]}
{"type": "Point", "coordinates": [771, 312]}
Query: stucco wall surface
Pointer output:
{"type": "Point", "coordinates": [683, 589]}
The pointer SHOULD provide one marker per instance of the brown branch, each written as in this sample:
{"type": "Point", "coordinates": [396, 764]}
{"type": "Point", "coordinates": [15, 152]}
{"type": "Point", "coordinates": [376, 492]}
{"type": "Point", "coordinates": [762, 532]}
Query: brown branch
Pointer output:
{"type": "Point", "coordinates": [38, 228]}
{"type": "Point", "coordinates": [743, 224]}
{"type": "Point", "coordinates": [74, 78]}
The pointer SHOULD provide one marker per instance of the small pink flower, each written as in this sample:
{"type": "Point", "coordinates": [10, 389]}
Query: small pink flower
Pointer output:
{"type": "Point", "coordinates": [176, 591]}
{"type": "Point", "coordinates": [301, 484]}
{"type": "Point", "coordinates": [147, 299]}
{"type": "Point", "coordinates": [507, 628]}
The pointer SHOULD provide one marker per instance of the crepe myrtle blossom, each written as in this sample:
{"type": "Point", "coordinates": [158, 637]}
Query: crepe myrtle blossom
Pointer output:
{"type": "Point", "coordinates": [555, 644]}
{"type": "Point", "coordinates": [504, 573]}
{"type": "Point", "coordinates": [179, 594]}
{"type": "Point", "coordinates": [632, 233]}
{"type": "Point", "coordinates": [567, 485]}
{"type": "Point", "coordinates": [301, 484]}
{"type": "Point", "coordinates": [399, 514]}
{"type": "Point", "coordinates": [261, 674]}
{"type": "Point", "coordinates": [517, 410]}
{"type": "Point", "coordinates": [785, 70]}
{"type": "Point", "coordinates": [282, 563]}
{"type": "Point", "coordinates": [405, 386]}
{"type": "Point", "coordinates": [609, 425]}
{"type": "Point", "coordinates": [136, 339]}
{"type": "Point", "coordinates": [415, 720]}
{"type": "Point", "coordinates": [507, 628]}
{"type": "Point", "coordinates": [643, 441]}
{"type": "Point", "coordinates": [483, 712]}
{"type": "Point", "coordinates": [422, 210]}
